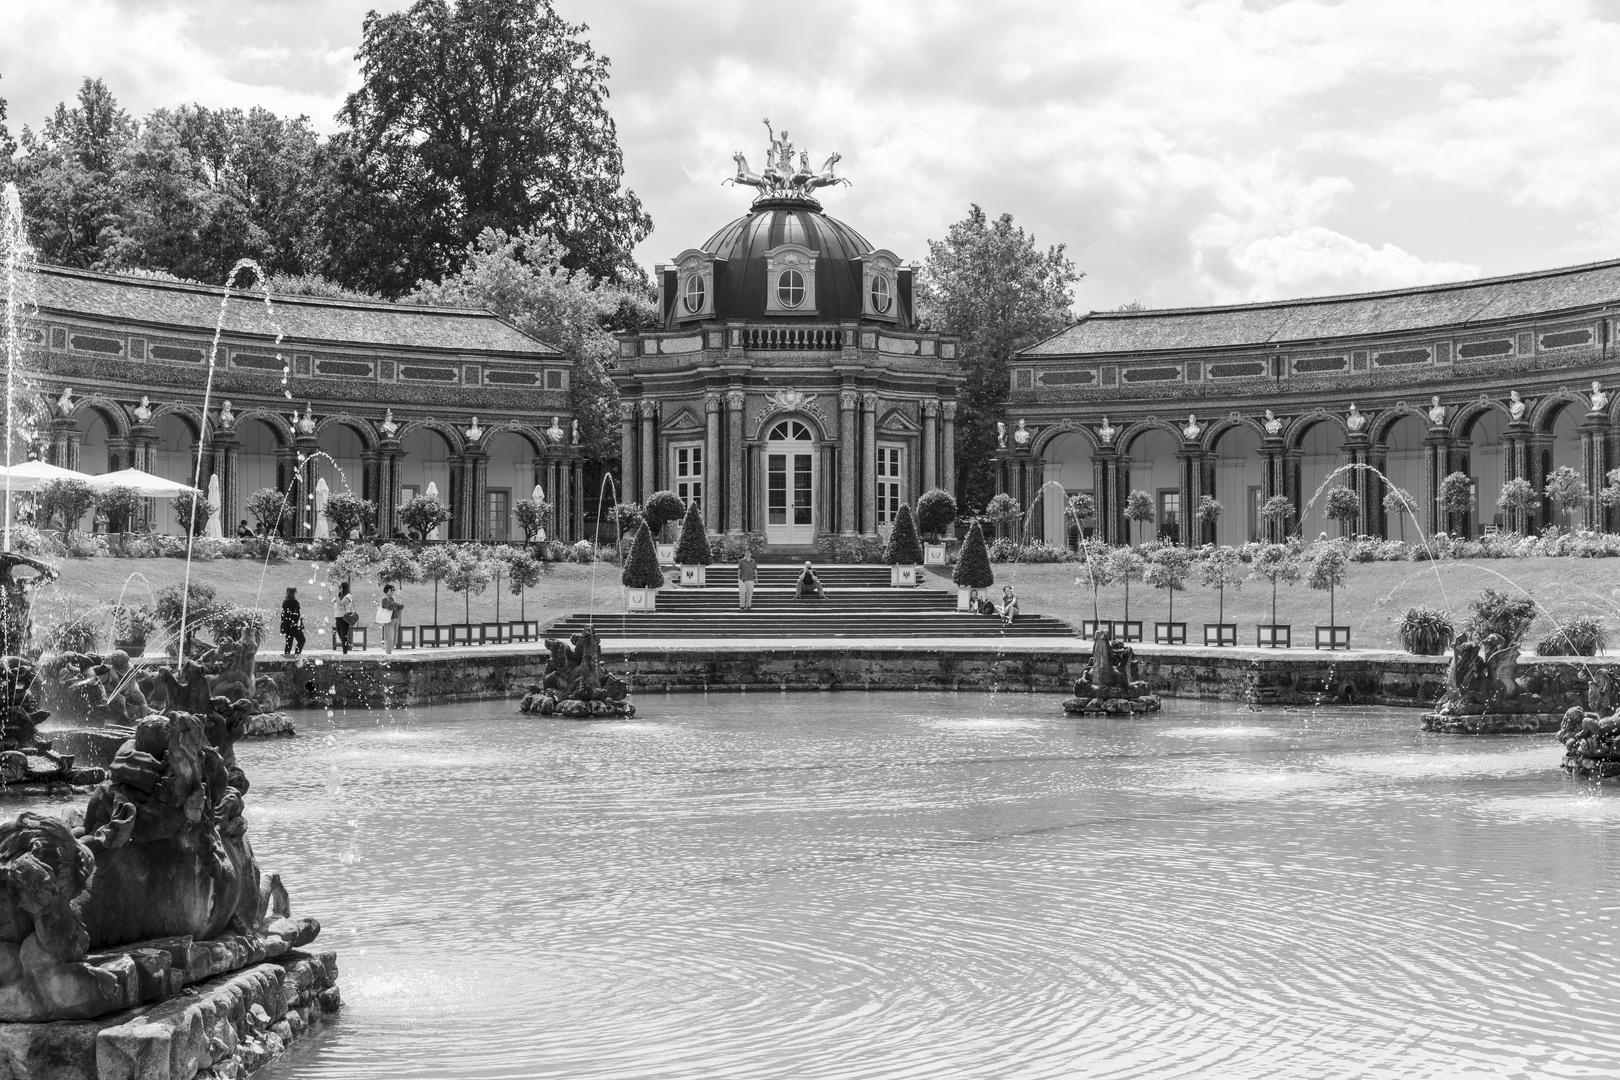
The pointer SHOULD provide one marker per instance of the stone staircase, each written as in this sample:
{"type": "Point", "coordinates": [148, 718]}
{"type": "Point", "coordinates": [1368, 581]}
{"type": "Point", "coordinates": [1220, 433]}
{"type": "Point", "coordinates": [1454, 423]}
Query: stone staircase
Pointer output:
{"type": "Point", "coordinates": [859, 604]}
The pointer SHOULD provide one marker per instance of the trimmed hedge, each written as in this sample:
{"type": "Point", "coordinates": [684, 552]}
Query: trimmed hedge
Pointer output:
{"type": "Point", "coordinates": [641, 568]}
{"type": "Point", "coordinates": [904, 548]}
{"type": "Point", "coordinates": [693, 547]}
{"type": "Point", "coordinates": [973, 564]}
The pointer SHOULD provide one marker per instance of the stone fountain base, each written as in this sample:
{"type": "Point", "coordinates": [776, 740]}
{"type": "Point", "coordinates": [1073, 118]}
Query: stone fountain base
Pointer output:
{"type": "Point", "coordinates": [1590, 767]}
{"type": "Point", "coordinates": [1494, 723]}
{"type": "Point", "coordinates": [1111, 706]}
{"type": "Point", "coordinates": [228, 1026]}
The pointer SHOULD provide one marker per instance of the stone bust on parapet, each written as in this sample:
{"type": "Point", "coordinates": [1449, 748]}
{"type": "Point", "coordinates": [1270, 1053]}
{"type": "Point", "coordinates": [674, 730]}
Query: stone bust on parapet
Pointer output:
{"type": "Point", "coordinates": [1105, 434]}
{"type": "Point", "coordinates": [1192, 429]}
{"type": "Point", "coordinates": [1600, 398]}
{"type": "Point", "coordinates": [1022, 434]}
{"type": "Point", "coordinates": [143, 411]}
{"type": "Point", "coordinates": [1437, 411]}
{"type": "Point", "coordinates": [1516, 407]}
{"type": "Point", "coordinates": [1273, 424]}
{"type": "Point", "coordinates": [1356, 420]}
{"type": "Point", "coordinates": [388, 427]}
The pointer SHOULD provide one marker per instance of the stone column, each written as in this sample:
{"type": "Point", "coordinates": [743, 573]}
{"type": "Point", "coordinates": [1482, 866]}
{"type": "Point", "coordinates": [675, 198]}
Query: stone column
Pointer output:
{"type": "Point", "coordinates": [388, 455]}
{"type": "Point", "coordinates": [306, 468]}
{"type": "Point", "coordinates": [1191, 460]}
{"type": "Point", "coordinates": [847, 442]}
{"type": "Point", "coordinates": [475, 494]}
{"type": "Point", "coordinates": [117, 454]}
{"type": "Point", "coordinates": [868, 465]}
{"type": "Point", "coordinates": [627, 451]}
{"type": "Point", "coordinates": [1105, 485]}
{"type": "Point", "coordinates": [947, 438]}
{"type": "Point", "coordinates": [649, 449]}
{"type": "Point", "coordinates": [930, 452]}
{"type": "Point", "coordinates": [576, 488]}
{"type": "Point", "coordinates": [1273, 481]}
{"type": "Point", "coordinates": [735, 463]}
{"type": "Point", "coordinates": [227, 448]}
{"type": "Point", "coordinates": [826, 490]}
{"type": "Point", "coordinates": [1377, 520]}
{"type": "Point", "coordinates": [1355, 451]}
{"type": "Point", "coordinates": [142, 441]}
{"type": "Point", "coordinates": [1436, 464]}
{"type": "Point", "coordinates": [1595, 465]}
{"type": "Point", "coordinates": [713, 472]}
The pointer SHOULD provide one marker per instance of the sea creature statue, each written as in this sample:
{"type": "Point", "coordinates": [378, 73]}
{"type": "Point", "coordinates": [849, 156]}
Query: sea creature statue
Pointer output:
{"type": "Point", "coordinates": [1111, 683]}
{"type": "Point", "coordinates": [16, 600]}
{"type": "Point", "coordinates": [576, 683]}
{"type": "Point", "coordinates": [1490, 691]}
{"type": "Point", "coordinates": [1591, 742]}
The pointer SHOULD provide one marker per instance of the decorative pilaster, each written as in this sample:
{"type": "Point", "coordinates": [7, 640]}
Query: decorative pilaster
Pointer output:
{"type": "Point", "coordinates": [947, 438]}
{"type": "Point", "coordinates": [388, 455]}
{"type": "Point", "coordinates": [1595, 465]}
{"type": "Point", "coordinates": [1105, 487]}
{"type": "Point", "coordinates": [576, 488]}
{"type": "Point", "coordinates": [847, 399]}
{"type": "Point", "coordinates": [1190, 459]}
{"type": "Point", "coordinates": [1376, 522]}
{"type": "Point", "coordinates": [477, 497]}
{"type": "Point", "coordinates": [1273, 482]}
{"type": "Point", "coordinates": [1437, 449]}
{"type": "Point", "coordinates": [733, 457]}
{"type": "Point", "coordinates": [227, 448]}
{"type": "Point", "coordinates": [868, 466]}
{"type": "Point", "coordinates": [649, 448]}
{"type": "Point", "coordinates": [930, 452]}
{"type": "Point", "coordinates": [1355, 450]}
{"type": "Point", "coordinates": [713, 475]}
{"type": "Point", "coordinates": [627, 451]}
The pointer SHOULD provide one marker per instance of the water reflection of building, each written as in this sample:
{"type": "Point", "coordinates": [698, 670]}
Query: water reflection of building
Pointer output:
{"type": "Point", "coordinates": [394, 391]}
{"type": "Point", "coordinates": [1282, 395]}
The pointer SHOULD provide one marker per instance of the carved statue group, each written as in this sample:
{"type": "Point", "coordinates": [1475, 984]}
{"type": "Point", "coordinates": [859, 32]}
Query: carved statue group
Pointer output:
{"type": "Point", "coordinates": [782, 174]}
{"type": "Point", "coordinates": [577, 684]}
{"type": "Point", "coordinates": [1489, 691]}
{"type": "Point", "coordinates": [1112, 684]}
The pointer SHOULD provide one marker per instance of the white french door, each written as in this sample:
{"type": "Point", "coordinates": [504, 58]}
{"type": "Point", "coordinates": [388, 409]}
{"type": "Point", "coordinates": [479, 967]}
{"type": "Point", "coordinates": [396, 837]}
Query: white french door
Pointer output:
{"type": "Point", "coordinates": [790, 485]}
{"type": "Point", "coordinates": [888, 488]}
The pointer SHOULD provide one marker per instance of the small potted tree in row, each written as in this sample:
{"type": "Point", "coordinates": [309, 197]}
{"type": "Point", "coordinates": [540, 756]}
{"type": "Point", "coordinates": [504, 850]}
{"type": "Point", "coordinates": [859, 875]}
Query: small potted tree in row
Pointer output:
{"type": "Point", "coordinates": [903, 552]}
{"type": "Point", "coordinates": [692, 552]}
{"type": "Point", "coordinates": [642, 577]}
{"type": "Point", "coordinates": [1274, 564]}
{"type": "Point", "coordinates": [1517, 501]}
{"type": "Point", "coordinates": [1139, 508]}
{"type": "Point", "coordinates": [1125, 565]}
{"type": "Point", "coordinates": [1167, 569]}
{"type": "Point", "coordinates": [469, 573]}
{"type": "Point", "coordinates": [1221, 570]}
{"type": "Point", "coordinates": [1207, 514]}
{"type": "Point", "coordinates": [1003, 510]}
{"type": "Point", "coordinates": [1343, 504]}
{"type": "Point", "coordinates": [936, 513]}
{"type": "Point", "coordinates": [1456, 495]}
{"type": "Point", "coordinates": [1098, 575]}
{"type": "Point", "coordinates": [663, 508]}
{"type": "Point", "coordinates": [435, 564]}
{"type": "Point", "coordinates": [1566, 491]}
{"type": "Point", "coordinates": [1275, 514]}
{"type": "Point", "coordinates": [1327, 569]}
{"type": "Point", "coordinates": [1082, 510]}
{"type": "Point", "coordinates": [973, 571]}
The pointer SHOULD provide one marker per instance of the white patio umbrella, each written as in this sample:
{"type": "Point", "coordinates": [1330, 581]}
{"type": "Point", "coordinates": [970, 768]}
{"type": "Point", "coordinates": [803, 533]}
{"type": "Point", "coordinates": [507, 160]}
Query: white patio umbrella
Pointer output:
{"type": "Point", "coordinates": [213, 529]}
{"type": "Point", "coordinates": [145, 484]}
{"type": "Point", "coordinates": [433, 493]}
{"type": "Point", "coordinates": [323, 528]}
{"type": "Point", "coordinates": [33, 475]}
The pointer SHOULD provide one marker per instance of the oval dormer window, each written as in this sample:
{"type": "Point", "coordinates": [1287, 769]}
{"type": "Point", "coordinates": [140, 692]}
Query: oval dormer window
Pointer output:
{"type": "Point", "coordinates": [881, 299]}
{"type": "Point", "coordinates": [694, 293]}
{"type": "Point", "coordinates": [790, 288]}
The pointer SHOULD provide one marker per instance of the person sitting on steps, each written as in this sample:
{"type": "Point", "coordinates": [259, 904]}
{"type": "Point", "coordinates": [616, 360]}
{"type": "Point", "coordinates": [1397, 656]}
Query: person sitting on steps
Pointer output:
{"type": "Point", "coordinates": [808, 583]}
{"type": "Point", "coordinates": [1009, 605]}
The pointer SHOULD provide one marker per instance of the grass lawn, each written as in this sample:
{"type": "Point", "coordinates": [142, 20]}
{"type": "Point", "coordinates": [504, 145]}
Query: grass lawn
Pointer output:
{"type": "Point", "coordinates": [84, 583]}
{"type": "Point", "coordinates": [1372, 602]}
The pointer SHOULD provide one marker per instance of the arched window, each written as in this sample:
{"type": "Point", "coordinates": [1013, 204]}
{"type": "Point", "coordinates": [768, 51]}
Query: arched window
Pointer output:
{"type": "Point", "coordinates": [791, 431]}
{"type": "Point", "coordinates": [790, 288]}
{"type": "Point", "coordinates": [880, 295]}
{"type": "Point", "coordinates": [694, 293]}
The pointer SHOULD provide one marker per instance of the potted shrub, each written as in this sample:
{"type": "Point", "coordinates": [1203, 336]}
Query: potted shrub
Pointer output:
{"type": "Point", "coordinates": [1274, 563]}
{"type": "Point", "coordinates": [1221, 570]}
{"type": "Point", "coordinates": [972, 569]}
{"type": "Point", "coordinates": [902, 552]}
{"type": "Point", "coordinates": [349, 514]}
{"type": "Point", "coordinates": [1343, 504]}
{"type": "Point", "coordinates": [1207, 515]}
{"type": "Point", "coordinates": [131, 627]}
{"type": "Point", "coordinates": [692, 553]}
{"type": "Point", "coordinates": [1139, 508]}
{"type": "Point", "coordinates": [1082, 509]}
{"type": "Point", "coordinates": [1125, 565]}
{"type": "Point", "coordinates": [422, 515]}
{"type": "Point", "coordinates": [1098, 573]}
{"type": "Point", "coordinates": [663, 508]}
{"type": "Point", "coordinates": [1275, 514]}
{"type": "Point", "coordinates": [1426, 631]}
{"type": "Point", "coordinates": [1567, 491]}
{"type": "Point", "coordinates": [1167, 569]}
{"type": "Point", "coordinates": [469, 573]}
{"type": "Point", "coordinates": [121, 505]}
{"type": "Point", "coordinates": [1580, 635]}
{"type": "Point", "coordinates": [642, 577]}
{"type": "Point", "coordinates": [1003, 510]}
{"type": "Point", "coordinates": [435, 564]}
{"type": "Point", "coordinates": [1327, 569]}
{"type": "Point", "coordinates": [936, 513]}
{"type": "Point", "coordinates": [1456, 497]}
{"type": "Point", "coordinates": [531, 516]}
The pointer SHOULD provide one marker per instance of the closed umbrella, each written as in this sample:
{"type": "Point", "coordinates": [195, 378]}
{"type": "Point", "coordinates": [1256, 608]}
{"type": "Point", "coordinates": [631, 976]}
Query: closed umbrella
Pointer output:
{"type": "Point", "coordinates": [145, 484]}
{"type": "Point", "coordinates": [539, 497]}
{"type": "Point", "coordinates": [213, 529]}
{"type": "Point", "coordinates": [433, 493]}
{"type": "Point", "coordinates": [323, 528]}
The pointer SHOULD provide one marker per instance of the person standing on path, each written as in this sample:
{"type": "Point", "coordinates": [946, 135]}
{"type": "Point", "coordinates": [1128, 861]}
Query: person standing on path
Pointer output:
{"type": "Point", "coordinates": [344, 616]}
{"type": "Point", "coordinates": [747, 573]}
{"type": "Point", "coordinates": [396, 610]}
{"type": "Point", "coordinates": [292, 623]}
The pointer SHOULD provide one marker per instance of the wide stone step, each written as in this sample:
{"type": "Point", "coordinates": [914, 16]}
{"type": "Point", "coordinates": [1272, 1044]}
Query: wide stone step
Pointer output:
{"type": "Point", "coordinates": [750, 624]}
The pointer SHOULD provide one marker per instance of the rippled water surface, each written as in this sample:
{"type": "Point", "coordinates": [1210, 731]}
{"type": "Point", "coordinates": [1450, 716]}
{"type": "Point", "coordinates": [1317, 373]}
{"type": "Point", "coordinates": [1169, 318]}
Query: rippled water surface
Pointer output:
{"type": "Point", "coordinates": [943, 886]}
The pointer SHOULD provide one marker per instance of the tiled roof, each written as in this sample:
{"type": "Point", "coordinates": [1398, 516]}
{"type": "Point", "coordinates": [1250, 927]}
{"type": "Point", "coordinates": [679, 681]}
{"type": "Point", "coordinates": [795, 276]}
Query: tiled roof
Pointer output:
{"type": "Point", "coordinates": [299, 318]}
{"type": "Point", "coordinates": [1427, 307]}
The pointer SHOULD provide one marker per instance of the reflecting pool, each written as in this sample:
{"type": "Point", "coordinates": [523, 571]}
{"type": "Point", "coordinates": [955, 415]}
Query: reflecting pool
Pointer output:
{"type": "Point", "coordinates": [931, 885]}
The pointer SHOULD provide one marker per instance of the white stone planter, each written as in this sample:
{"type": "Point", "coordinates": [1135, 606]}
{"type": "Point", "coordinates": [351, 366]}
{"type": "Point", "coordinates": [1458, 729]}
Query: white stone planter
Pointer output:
{"type": "Point", "coordinates": [641, 599]}
{"type": "Point", "coordinates": [933, 554]}
{"type": "Point", "coordinates": [903, 577]}
{"type": "Point", "coordinates": [694, 577]}
{"type": "Point", "coordinates": [666, 554]}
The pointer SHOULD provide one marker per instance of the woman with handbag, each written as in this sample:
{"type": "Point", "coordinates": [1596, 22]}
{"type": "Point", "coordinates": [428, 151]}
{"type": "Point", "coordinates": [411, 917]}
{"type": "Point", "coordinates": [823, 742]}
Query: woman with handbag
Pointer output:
{"type": "Point", "coordinates": [344, 616]}
{"type": "Point", "coordinates": [292, 623]}
{"type": "Point", "coordinates": [389, 613]}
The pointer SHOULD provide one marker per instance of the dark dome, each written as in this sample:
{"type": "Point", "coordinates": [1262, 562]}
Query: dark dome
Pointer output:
{"type": "Point", "coordinates": [739, 288]}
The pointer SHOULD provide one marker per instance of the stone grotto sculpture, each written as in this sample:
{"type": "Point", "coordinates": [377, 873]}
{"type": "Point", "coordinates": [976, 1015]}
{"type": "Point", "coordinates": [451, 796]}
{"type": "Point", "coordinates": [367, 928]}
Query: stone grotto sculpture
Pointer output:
{"type": "Point", "coordinates": [1591, 742]}
{"type": "Point", "coordinates": [576, 683]}
{"type": "Point", "coordinates": [1112, 683]}
{"type": "Point", "coordinates": [1488, 692]}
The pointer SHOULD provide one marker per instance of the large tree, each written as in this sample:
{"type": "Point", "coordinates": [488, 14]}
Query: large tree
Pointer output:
{"type": "Point", "coordinates": [525, 280]}
{"type": "Point", "coordinates": [478, 114]}
{"type": "Point", "coordinates": [68, 178]}
{"type": "Point", "coordinates": [988, 282]}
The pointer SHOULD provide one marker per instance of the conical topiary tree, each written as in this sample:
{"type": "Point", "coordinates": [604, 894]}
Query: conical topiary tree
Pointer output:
{"type": "Point", "coordinates": [973, 563]}
{"type": "Point", "coordinates": [903, 548]}
{"type": "Point", "coordinates": [693, 547]}
{"type": "Point", "coordinates": [641, 568]}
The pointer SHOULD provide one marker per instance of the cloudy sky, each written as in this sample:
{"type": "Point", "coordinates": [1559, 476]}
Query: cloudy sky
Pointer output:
{"type": "Point", "coordinates": [1186, 152]}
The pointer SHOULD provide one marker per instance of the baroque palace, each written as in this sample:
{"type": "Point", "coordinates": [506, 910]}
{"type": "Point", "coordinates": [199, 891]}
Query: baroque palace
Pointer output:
{"type": "Point", "coordinates": [789, 389]}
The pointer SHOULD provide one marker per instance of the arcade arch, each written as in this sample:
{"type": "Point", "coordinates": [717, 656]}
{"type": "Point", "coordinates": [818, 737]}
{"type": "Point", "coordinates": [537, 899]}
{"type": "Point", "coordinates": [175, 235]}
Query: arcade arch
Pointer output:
{"type": "Point", "coordinates": [1239, 484]}
{"type": "Point", "coordinates": [174, 457]}
{"type": "Point", "coordinates": [1484, 437]}
{"type": "Point", "coordinates": [343, 465]}
{"type": "Point", "coordinates": [1068, 464]}
{"type": "Point", "coordinates": [1320, 454]}
{"type": "Point", "coordinates": [424, 460]}
{"type": "Point", "coordinates": [1154, 469]}
{"type": "Point", "coordinates": [1403, 468]}
{"type": "Point", "coordinates": [513, 470]}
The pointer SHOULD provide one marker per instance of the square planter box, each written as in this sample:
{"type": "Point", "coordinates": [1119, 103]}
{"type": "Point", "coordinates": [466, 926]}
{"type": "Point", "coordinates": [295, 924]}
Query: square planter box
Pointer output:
{"type": "Point", "coordinates": [903, 577]}
{"type": "Point", "coordinates": [1220, 633]}
{"type": "Point", "coordinates": [694, 577]}
{"type": "Point", "coordinates": [1122, 630]}
{"type": "Point", "coordinates": [1332, 637]}
{"type": "Point", "coordinates": [358, 636]}
{"type": "Point", "coordinates": [641, 599]}
{"type": "Point", "coordinates": [466, 633]}
{"type": "Point", "coordinates": [933, 554]}
{"type": "Point", "coordinates": [1089, 627]}
{"type": "Point", "coordinates": [407, 637]}
{"type": "Point", "coordinates": [522, 631]}
{"type": "Point", "coordinates": [666, 554]}
{"type": "Point", "coordinates": [496, 632]}
{"type": "Point", "coordinates": [1169, 633]}
{"type": "Point", "coordinates": [1274, 636]}
{"type": "Point", "coordinates": [432, 636]}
